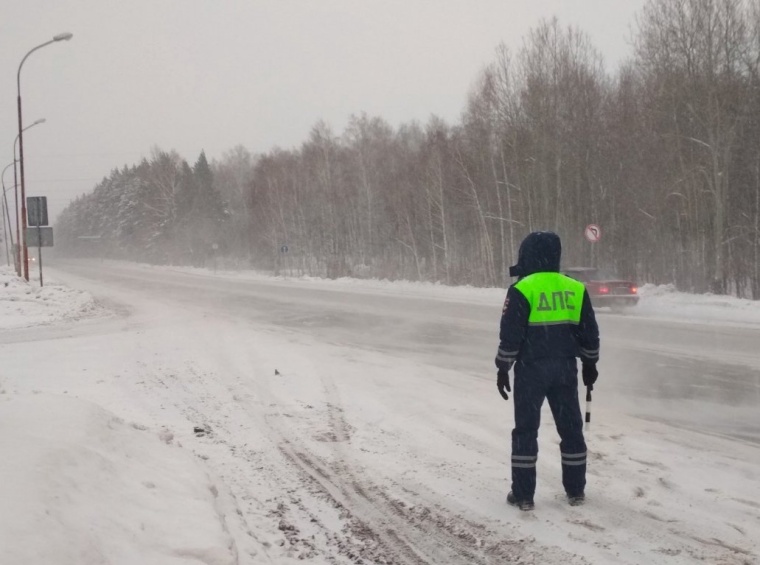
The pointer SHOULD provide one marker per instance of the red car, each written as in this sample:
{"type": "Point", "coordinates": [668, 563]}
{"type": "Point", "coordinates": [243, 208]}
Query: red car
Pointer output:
{"type": "Point", "coordinates": [605, 289]}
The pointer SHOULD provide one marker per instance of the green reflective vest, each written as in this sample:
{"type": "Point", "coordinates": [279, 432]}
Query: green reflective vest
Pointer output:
{"type": "Point", "coordinates": [553, 297]}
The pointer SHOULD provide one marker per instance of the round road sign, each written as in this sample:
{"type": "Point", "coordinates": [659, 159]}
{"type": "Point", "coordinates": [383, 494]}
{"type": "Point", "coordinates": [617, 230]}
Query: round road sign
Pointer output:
{"type": "Point", "coordinates": [593, 233]}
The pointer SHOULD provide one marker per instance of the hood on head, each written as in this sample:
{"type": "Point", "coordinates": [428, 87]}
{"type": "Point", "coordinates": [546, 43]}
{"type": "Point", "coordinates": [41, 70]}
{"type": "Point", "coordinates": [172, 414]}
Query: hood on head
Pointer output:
{"type": "Point", "coordinates": [540, 252]}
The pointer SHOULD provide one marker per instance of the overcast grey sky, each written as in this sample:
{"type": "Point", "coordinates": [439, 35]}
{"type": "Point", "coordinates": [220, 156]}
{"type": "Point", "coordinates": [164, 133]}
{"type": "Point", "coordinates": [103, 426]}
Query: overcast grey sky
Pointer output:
{"type": "Point", "coordinates": [202, 74]}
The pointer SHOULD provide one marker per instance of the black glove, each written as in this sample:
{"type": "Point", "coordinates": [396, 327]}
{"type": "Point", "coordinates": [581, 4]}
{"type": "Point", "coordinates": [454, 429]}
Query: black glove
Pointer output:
{"type": "Point", "coordinates": [502, 382]}
{"type": "Point", "coordinates": [590, 374]}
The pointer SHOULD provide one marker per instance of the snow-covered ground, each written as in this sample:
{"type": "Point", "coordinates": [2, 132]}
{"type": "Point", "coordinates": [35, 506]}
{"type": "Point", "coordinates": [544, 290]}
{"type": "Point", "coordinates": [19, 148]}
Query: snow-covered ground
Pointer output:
{"type": "Point", "coordinates": [173, 433]}
{"type": "Point", "coordinates": [24, 305]}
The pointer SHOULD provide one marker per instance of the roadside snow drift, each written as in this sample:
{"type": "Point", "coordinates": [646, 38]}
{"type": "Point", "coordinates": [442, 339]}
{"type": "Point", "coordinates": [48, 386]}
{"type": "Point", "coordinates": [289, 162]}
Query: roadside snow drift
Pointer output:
{"type": "Point", "coordinates": [25, 304]}
{"type": "Point", "coordinates": [80, 485]}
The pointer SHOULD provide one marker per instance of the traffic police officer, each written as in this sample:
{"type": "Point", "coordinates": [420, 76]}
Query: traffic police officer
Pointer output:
{"type": "Point", "coordinates": [547, 322]}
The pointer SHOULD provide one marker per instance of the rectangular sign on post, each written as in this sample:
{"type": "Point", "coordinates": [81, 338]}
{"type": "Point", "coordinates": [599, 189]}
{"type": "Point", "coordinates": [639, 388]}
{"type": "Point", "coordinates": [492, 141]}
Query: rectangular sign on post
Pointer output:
{"type": "Point", "coordinates": [36, 209]}
{"type": "Point", "coordinates": [39, 237]}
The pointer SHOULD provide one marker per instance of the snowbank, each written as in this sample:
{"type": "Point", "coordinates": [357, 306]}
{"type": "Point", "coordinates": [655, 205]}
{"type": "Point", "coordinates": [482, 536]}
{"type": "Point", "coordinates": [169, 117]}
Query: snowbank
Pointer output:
{"type": "Point", "coordinates": [657, 301]}
{"type": "Point", "coordinates": [660, 301]}
{"type": "Point", "coordinates": [25, 304]}
{"type": "Point", "coordinates": [80, 485]}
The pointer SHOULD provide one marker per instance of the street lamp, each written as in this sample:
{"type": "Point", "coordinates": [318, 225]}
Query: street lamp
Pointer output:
{"type": "Point", "coordinates": [7, 215]}
{"type": "Point", "coordinates": [15, 192]}
{"type": "Point", "coordinates": [60, 37]}
{"type": "Point", "coordinates": [6, 228]}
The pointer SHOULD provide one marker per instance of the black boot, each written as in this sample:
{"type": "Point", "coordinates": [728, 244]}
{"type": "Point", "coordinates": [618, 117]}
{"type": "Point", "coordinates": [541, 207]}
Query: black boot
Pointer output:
{"type": "Point", "coordinates": [576, 499]}
{"type": "Point", "coordinates": [521, 504]}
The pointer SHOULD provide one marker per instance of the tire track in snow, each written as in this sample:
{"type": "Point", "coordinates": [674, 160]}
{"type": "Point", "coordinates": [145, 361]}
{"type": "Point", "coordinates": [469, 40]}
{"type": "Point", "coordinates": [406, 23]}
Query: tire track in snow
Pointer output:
{"type": "Point", "coordinates": [419, 533]}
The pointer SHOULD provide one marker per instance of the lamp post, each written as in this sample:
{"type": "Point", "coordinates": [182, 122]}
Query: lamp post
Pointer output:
{"type": "Point", "coordinates": [7, 215]}
{"type": "Point", "coordinates": [15, 192]}
{"type": "Point", "coordinates": [60, 37]}
{"type": "Point", "coordinates": [6, 227]}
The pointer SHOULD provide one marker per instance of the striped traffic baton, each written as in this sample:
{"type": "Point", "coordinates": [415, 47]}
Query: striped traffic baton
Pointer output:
{"type": "Point", "coordinates": [588, 407]}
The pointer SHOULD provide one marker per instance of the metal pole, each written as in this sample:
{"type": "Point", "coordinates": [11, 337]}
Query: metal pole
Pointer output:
{"type": "Point", "coordinates": [39, 251]}
{"type": "Point", "coordinates": [59, 37]}
{"type": "Point", "coordinates": [5, 205]}
{"type": "Point", "coordinates": [7, 215]}
{"type": "Point", "coordinates": [5, 234]}
{"type": "Point", "coordinates": [18, 232]}
{"type": "Point", "coordinates": [24, 252]}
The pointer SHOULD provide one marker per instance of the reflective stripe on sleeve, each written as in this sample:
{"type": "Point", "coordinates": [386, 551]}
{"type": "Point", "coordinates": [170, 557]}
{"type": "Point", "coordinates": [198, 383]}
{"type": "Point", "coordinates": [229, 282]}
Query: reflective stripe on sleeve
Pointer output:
{"type": "Point", "coordinates": [590, 353]}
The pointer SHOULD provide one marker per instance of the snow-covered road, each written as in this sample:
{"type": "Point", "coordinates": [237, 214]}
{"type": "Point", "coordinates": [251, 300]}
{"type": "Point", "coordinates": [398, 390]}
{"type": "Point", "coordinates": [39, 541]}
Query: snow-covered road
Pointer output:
{"type": "Point", "coordinates": [351, 424]}
{"type": "Point", "coordinates": [701, 375]}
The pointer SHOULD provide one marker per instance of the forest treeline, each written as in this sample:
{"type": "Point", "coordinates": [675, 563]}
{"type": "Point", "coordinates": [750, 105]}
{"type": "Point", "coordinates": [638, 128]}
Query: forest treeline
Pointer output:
{"type": "Point", "coordinates": [663, 154]}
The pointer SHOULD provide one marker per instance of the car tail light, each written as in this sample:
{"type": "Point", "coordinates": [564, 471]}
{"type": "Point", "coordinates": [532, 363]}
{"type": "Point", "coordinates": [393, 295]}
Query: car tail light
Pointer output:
{"type": "Point", "coordinates": [634, 290]}
{"type": "Point", "coordinates": [604, 290]}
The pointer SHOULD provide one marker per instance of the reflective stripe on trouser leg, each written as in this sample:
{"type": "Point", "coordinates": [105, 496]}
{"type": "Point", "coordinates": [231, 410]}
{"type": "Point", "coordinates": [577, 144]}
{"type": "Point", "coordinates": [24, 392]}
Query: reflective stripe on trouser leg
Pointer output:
{"type": "Point", "coordinates": [574, 458]}
{"type": "Point", "coordinates": [524, 461]}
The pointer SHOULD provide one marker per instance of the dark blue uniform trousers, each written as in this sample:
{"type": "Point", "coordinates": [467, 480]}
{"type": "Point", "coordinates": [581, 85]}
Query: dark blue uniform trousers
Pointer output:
{"type": "Point", "coordinates": [557, 381]}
